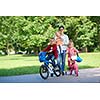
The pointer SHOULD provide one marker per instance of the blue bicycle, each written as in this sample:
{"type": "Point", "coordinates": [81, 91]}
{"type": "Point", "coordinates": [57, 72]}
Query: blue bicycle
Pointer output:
{"type": "Point", "coordinates": [49, 65]}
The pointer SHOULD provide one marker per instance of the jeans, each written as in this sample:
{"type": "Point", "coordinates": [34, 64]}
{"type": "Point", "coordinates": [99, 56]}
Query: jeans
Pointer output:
{"type": "Point", "coordinates": [61, 60]}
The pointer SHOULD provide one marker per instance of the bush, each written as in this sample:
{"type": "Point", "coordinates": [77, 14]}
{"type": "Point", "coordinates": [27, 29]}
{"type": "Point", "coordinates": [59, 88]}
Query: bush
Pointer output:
{"type": "Point", "coordinates": [97, 49]}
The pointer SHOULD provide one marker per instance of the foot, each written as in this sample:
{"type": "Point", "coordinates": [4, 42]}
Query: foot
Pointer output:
{"type": "Point", "coordinates": [76, 75]}
{"type": "Point", "coordinates": [66, 73]}
{"type": "Point", "coordinates": [63, 73]}
{"type": "Point", "coordinates": [71, 73]}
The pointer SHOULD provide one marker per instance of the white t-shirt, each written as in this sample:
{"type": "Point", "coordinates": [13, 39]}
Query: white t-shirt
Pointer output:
{"type": "Point", "coordinates": [65, 40]}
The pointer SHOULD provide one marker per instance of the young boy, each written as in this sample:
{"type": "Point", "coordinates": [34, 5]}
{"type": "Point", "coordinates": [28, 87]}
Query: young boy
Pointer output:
{"type": "Point", "coordinates": [72, 54]}
{"type": "Point", "coordinates": [52, 50]}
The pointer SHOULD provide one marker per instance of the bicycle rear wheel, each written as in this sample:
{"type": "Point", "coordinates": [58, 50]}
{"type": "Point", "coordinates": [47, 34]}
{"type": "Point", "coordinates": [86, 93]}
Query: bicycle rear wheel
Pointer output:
{"type": "Point", "coordinates": [57, 71]}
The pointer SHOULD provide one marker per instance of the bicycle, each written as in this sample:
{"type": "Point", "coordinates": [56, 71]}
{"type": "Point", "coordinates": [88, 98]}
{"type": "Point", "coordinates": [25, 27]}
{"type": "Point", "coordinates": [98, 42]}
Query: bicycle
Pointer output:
{"type": "Point", "coordinates": [49, 65]}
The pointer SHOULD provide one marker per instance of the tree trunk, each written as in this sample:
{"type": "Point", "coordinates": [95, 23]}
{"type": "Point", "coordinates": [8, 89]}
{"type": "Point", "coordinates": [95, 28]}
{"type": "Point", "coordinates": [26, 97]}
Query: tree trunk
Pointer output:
{"type": "Point", "coordinates": [7, 49]}
{"type": "Point", "coordinates": [85, 49]}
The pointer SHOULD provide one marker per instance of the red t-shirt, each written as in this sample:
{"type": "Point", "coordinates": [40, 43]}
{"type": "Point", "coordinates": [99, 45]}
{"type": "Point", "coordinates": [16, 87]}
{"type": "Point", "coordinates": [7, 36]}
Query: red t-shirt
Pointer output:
{"type": "Point", "coordinates": [53, 48]}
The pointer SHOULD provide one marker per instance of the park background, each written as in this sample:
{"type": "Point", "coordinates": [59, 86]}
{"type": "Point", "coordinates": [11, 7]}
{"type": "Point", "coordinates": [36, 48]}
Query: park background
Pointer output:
{"type": "Point", "coordinates": [23, 37]}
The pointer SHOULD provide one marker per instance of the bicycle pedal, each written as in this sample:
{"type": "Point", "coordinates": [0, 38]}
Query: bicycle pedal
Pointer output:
{"type": "Point", "coordinates": [51, 74]}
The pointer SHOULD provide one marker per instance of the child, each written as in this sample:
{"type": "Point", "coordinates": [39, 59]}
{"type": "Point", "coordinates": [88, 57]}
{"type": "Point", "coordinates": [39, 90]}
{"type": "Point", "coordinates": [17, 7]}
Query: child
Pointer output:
{"type": "Point", "coordinates": [58, 39]}
{"type": "Point", "coordinates": [72, 54]}
{"type": "Point", "coordinates": [52, 50]}
{"type": "Point", "coordinates": [59, 42]}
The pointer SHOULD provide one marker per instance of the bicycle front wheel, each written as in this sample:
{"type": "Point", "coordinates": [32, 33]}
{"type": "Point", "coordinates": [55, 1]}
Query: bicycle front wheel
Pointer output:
{"type": "Point", "coordinates": [44, 73]}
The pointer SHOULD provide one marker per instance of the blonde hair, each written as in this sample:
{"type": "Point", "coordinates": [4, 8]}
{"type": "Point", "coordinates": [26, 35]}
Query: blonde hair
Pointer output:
{"type": "Point", "coordinates": [71, 42]}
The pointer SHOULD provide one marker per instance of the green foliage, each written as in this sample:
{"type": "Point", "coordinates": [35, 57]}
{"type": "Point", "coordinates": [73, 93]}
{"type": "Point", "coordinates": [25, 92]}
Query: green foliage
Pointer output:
{"type": "Point", "coordinates": [32, 33]}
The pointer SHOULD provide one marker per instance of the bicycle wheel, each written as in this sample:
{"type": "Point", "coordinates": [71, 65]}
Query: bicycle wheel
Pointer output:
{"type": "Point", "coordinates": [57, 71]}
{"type": "Point", "coordinates": [44, 73]}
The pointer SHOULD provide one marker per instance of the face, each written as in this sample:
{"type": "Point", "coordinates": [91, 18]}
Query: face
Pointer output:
{"type": "Point", "coordinates": [52, 41]}
{"type": "Point", "coordinates": [70, 45]}
{"type": "Point", "coordinates": [61, 30]}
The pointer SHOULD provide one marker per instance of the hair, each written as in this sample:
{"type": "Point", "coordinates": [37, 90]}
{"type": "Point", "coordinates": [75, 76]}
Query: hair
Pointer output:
{"type": "Point", "coordinates": [61, 27]}
{"type": "Point", "coordinates": [71, 42]}
{"type": "Point", "coordinates": [52, 38]}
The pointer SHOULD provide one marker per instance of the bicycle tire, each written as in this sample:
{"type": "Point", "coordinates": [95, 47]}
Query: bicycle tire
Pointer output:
{"type": "Point", "coordinates": [43, 70]}
{"type": "Point", "coordinates": [57, 71]}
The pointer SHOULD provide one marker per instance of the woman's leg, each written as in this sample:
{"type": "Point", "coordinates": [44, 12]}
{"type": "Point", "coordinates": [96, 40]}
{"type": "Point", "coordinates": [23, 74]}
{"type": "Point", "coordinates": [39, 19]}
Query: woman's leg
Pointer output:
{"type": "Point", "coordinates": [59, 60]}
{"type": "Point", "coordinates": [63, 60]}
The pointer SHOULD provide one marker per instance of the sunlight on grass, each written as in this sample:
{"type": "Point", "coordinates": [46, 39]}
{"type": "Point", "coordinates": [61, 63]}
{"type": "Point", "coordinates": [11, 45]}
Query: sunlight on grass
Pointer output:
{"type": "Point", "coordinates": [90, 59]}
{"type": "Point", "coordinates": [14, 61]}
{"type": "Point", "coordinates": [20, 64]}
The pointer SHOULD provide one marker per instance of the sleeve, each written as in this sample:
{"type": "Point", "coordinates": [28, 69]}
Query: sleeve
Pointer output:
{"type": "Point", "coordinates": [47, 48]}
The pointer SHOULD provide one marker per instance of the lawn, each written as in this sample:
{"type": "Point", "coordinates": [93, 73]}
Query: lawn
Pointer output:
{"type": "Point", "coordinates": [21, 64]}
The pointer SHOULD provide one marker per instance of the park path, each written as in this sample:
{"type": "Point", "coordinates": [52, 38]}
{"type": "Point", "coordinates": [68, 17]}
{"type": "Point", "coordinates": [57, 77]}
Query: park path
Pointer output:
{"type": "Point", "coordinates": [85, 76]}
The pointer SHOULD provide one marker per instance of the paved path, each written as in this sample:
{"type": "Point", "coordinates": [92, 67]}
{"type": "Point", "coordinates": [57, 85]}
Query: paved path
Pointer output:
{"type": "Point", "coordinates": [85, 76]}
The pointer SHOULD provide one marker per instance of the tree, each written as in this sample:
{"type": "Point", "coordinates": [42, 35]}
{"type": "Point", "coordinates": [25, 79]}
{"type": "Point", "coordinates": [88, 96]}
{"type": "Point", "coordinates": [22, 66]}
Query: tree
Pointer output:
{"type": "Point", "coordinates": [32, 33]}
{"type": "Point", "coordinates": [96, 19]}
{"type": "Point", "coordinates": [81, 30]}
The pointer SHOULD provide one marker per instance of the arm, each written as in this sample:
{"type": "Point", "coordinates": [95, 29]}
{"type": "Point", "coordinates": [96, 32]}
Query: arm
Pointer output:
{"type": "Point", "coordinates": [67, 51]}
{"type": "Point", "coordinates": [76, 51]}
{"type": "Point", "coordinates": [54, 47]}
{"type": "Point", "coordinates": [47, 48]}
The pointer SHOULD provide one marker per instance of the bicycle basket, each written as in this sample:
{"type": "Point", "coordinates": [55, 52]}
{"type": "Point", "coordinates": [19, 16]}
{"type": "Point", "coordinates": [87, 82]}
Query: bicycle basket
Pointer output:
{"type": "Point", "coordinates": [42, 56]}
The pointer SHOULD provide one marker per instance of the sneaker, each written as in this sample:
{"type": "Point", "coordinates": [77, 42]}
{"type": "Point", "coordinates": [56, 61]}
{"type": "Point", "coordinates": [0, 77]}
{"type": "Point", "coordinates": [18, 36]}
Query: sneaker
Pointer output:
{"type": "Point", "coordinates": [66, 73]}
{"type": "Point", "coordinates": [76, 75]}
{"type": "Point", "coordinates": [63, 73]}
{"type": "Point", "coordinates": [71, 73]}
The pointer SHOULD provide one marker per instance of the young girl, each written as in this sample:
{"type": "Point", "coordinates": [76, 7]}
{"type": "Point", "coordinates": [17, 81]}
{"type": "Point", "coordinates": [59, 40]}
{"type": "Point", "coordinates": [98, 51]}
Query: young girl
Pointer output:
{"type": "Point", "coordinates": [58, 39]}
{"type": "Point", "coordinates": [72, 54]}
{"type": "Point", "coordinates": [52, 48]}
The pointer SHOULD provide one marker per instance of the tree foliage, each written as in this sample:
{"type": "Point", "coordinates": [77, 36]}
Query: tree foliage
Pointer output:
{"type": "Point", "coordinates": [32, 33]}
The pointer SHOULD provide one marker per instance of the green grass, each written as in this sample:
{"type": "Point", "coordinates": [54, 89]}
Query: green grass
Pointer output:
{"type": "Point", "coordinates": [19, 64]}
{"type": "Point", "coordinates": [90, 60]}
